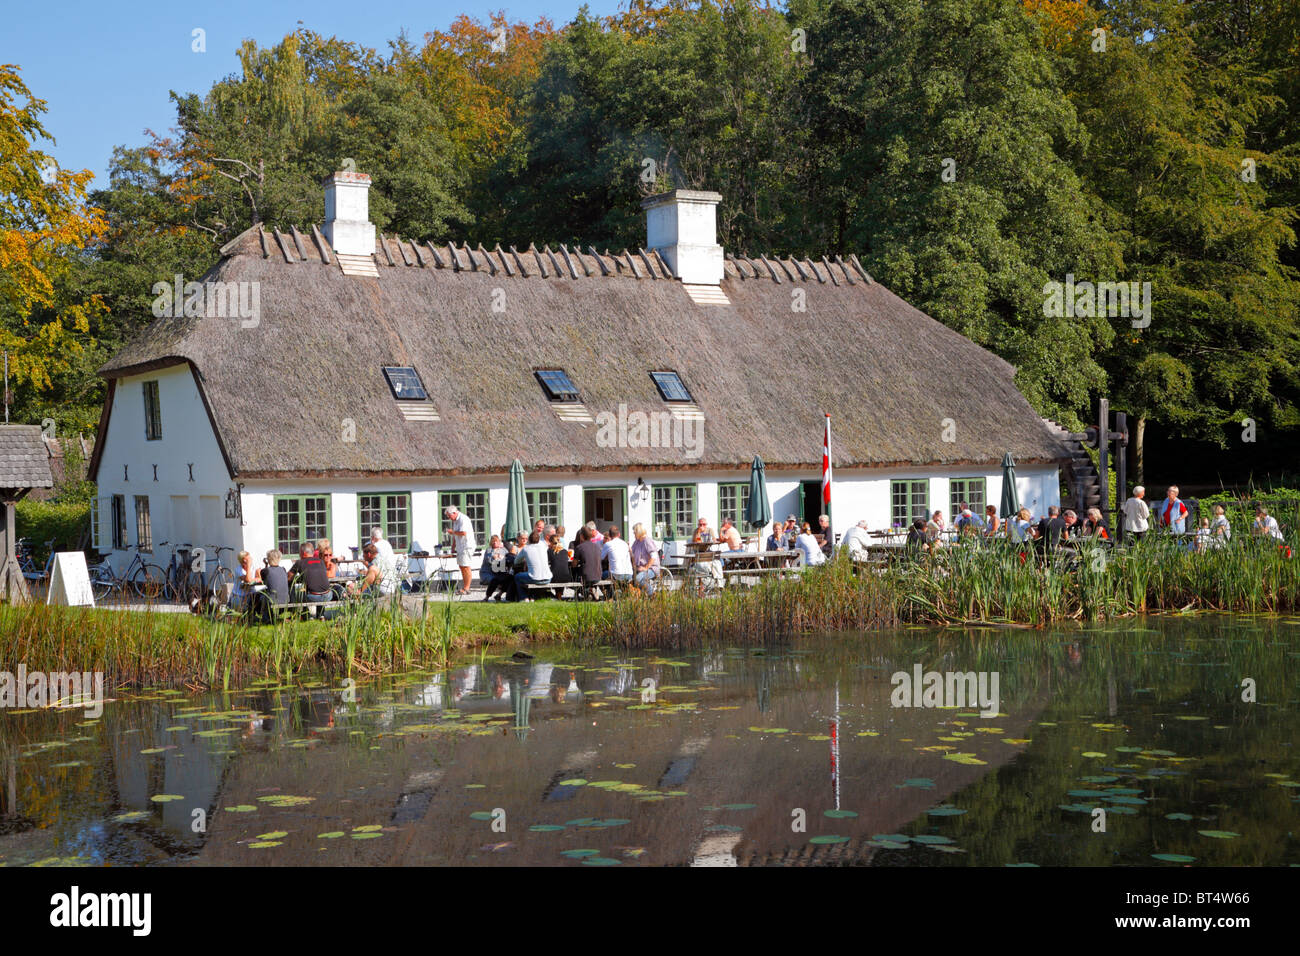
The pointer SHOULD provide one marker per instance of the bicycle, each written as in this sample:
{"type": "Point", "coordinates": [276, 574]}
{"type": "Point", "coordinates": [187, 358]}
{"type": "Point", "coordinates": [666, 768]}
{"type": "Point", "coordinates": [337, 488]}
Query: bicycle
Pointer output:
{"type": "Point", "coordinates": [149, 581]}
{"type": "Point", "coordinates": [184, 582]}
{"type": "Point", "coordinates": [221, 575]}
{"type": "Point", "coordinates": [27, 563]}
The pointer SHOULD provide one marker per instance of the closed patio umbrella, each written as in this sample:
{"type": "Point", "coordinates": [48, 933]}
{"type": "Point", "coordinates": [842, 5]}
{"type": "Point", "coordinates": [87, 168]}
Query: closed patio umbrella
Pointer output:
{"type": "Point", "coordinates": [1010, 500]}
{"type": "Point", "coordinates": [517, 503]}
{"type": "Point", "coordinates": [758, 511]}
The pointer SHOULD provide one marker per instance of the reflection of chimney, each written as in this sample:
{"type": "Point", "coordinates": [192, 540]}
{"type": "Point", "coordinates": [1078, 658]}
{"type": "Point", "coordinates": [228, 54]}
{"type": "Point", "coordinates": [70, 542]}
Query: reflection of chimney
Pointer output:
{"type": "Point", "coordinates": [683, 226]}
{"type": "Point", "coordinates": [347, 214]}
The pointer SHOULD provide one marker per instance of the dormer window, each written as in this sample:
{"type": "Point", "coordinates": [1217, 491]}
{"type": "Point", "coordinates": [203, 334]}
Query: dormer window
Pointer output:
{"type": "Point", "coordinates": [405, 384]}
{"type": "Point", "coordinates": [557, 385]}
{"type": "Point", "coordinates": [671, 387]}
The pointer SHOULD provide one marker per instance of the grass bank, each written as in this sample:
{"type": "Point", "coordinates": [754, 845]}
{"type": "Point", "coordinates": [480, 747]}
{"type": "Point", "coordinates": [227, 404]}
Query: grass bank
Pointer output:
{"type": "Point", "coordinates": [960, 585]}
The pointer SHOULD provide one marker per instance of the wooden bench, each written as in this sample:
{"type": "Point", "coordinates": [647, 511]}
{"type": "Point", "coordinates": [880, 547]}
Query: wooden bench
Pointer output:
{"type": "Point", "coordinates": [584, 590]}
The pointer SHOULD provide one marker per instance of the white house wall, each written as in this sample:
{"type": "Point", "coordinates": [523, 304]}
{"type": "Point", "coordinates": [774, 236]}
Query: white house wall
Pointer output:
{"type": "Point", "coordinates": [181, 510]}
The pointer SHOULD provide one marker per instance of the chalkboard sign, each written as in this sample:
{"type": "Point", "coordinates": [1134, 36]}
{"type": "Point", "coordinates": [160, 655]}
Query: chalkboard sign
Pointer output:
{"type": "Point", "coordinates": [70, 581]}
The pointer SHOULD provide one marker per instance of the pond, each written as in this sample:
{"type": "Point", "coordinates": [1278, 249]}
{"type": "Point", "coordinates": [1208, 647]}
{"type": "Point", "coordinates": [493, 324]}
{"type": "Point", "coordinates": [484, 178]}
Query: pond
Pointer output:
{"type": "Point", "coordinates": [1180, 731]}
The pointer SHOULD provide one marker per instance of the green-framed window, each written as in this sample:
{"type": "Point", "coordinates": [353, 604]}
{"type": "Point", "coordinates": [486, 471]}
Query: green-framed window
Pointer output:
{"type": "Point", "coordinates": [390, 511]}
{"type": "Point", "coordinates": [300, 518]}
{"type": "Point", "coordinates": [909, 499]}
{"type": "Point", "coordinates": [472, 503]}
{"type": "Point", "coordinates": [969, 490]}
{"type": "Point", "coordinates": [544, 503]}
{"type": "Point", "coordinates": [674, 511]}
{"type": "Point", "coordinates": [733, 502]}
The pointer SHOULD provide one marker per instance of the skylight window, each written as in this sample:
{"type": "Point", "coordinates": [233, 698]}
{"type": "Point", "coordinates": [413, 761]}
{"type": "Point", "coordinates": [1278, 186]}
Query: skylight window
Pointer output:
{"type": "Point", "coordinates": [405, 384]}
{"type": "Point", "coordinates": [557, 385]}
{"type": "Point", "coordinates": [671, 387]}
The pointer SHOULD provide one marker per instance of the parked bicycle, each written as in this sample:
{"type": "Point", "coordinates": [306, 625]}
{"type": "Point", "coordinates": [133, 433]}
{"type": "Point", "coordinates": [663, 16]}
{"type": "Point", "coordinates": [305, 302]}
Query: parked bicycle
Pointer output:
{"type": "Point", "coordinates": [148, 581]}
{"type": "Point", "coordinates": [27, 561]}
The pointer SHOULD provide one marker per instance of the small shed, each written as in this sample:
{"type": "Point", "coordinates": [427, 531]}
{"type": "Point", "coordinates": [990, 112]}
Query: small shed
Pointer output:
{"type": "Point", "coordinates": [24, 466]}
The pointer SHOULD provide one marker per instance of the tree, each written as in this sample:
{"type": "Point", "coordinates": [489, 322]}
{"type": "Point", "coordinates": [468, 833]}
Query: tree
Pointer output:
{"type": "Point", "coordinates": [45, 225]}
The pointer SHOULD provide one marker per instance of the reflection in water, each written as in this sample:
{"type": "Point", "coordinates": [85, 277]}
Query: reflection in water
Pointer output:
{"type": "Point", "coordinates": [603, 758]}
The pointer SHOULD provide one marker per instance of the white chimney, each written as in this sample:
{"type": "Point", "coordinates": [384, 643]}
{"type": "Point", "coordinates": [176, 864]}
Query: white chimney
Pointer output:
{"type": "Point", "coordinates": [347, 214]}
{"type": "Point", "coordinates": [683, 226]}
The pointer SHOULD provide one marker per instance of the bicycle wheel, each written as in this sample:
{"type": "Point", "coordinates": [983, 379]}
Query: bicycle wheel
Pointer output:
{"type": "Point", "coordinates": [665, 580]}
{"type": "Point", "coordinates": [101, 583]}
{"type": "Point", "coordinates": [219, 579]}
{"type": "Point", "coordinates": [150, 583]}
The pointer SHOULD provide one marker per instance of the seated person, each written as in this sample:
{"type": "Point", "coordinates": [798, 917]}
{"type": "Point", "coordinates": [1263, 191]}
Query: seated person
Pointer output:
{"type": "Point", "coordinates": [776, 540]}
{"type": "Point", "coordinates": [381, 574]}
{"type": "Point", "coordinates": [245, 581]}
{"type": "Point", "coordinates": [703, 533]}
{"type": "Point", "coordinates": [992, 523]}
{"type": "Point", "coordinates": [494, 573]}
{"type": "Point", "coordinates": [558, 555]}
{"type": "Point", "coordinates": [645, 559]}
{"type": "Point", "coordinates": [617, 556]}
{"type": "Point", "coordinates": [325, 551]}
{"type": "Point", "coordinates": [590, 557]}
{"type": "Point", "coordinates": [856, 540]}
{"type": "Point", "coordinates": [310, 570]}
{"type": "Point", "coordinates": [730, 537]}
{"type": "Point", "coordinates": [918, 535]}
{"type": "Point", "coordinates": [533, 566]}
{"type": "Point", "coordinates": [827, 536]}
{"type": "Point", "coordinates": [812, 551]}
{"type": "Point", "coordinates": [275, 578]}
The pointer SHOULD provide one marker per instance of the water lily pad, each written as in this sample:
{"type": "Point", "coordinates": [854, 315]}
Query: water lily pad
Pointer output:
{"type": "Point", "coordinates": [574, 782]}
{"type": "Point", "coordinates": [366, 836]}
{"type": "Point", "coordinates": [545, 828]}
{"type": "Point", "coordinates": [579, 854]}
{"type": "Point", "coordinates": [332, 835]}
{"type": "Point", "coordinates": [1173, 857]}
{"type": "Point", "coordinates": [945, 812]}
{"type": "Point", "coordinates": [165, 797]}
{"type": "Point", "coordinates": [1219, 834]}
{"type": "Point", "coordinates": [133, 817]}
{"type": "Point", "coordinates": [931, 838]}
{"type": "Point", "coordinates": [840, 814]}
{"type": "Point", "coordinates": [924, 783]}
{"type": "Point", "coordinates": [264, 844]}
{"type": "Point", "coordinates": [241, 808]}
{"type": "Point", "coordinates": [274, 835]}
{"type": "Point", "coordinates": [1092, 753]}
{"type": "Point", "coordinates": [601, 861]}
{"type": "Point", "coordinates": [1178, 816]}
{"type": "Point", "coordinates": [481, 815]}
{"type": "Point", "coordinates": [739, 806]}
{"type": "Point", "coordinates": [829, 838]}
{"type": "Point", "coordinates": [770, 730]}
{"type": "Point", "coordinates": [368, 828]}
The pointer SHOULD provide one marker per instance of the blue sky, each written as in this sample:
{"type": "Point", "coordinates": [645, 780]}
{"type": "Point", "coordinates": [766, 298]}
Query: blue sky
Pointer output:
{"type": "Point", "coordinates": [105, 69]}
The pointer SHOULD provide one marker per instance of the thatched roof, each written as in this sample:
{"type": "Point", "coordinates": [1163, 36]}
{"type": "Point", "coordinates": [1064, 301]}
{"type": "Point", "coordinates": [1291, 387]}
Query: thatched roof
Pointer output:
{"type": "Point", "coordinates": [24, 461]}
{"type": "Point", "coordinates": [761, 373]}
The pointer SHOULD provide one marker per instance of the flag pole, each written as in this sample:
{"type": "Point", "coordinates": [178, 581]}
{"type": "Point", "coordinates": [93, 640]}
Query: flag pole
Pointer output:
{"type": "Point", "coordinates": [826, 481]}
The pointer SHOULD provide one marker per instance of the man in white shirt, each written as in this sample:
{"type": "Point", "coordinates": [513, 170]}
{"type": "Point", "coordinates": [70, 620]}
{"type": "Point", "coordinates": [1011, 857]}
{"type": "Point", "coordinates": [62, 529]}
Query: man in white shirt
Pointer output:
{"type": "Point", "coordinates": [382, 544]}
{"type": "Point", "coordinates": [856, 540]}
{"type": "Point", "coordinates": [617, 555]}
{"type": "Point", "coordinates": [534, 562]}
{"type": "Point", "coordinates": [462, 534]}
{"type": "Point", "coordinates": [1266, 524]}
{"type": "Point", "coordinates": [1136, 514]}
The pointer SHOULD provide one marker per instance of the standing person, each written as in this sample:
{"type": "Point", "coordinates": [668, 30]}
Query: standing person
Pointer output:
{"type": "Point", "coordinates": [311, 570]}
{"type": "Point", "coordinates": [1220, 530]}
{"type": "Point", "coordinates": [1172, 512]}
{"type": "Point", "coordinates": [807, 543]}
{"type": "Point", "coordinates": [1202, 542]}
{"type": "Point", "coordinates": [462, 532]}
{"type": "Point", "coordinates": [617, 555]}
{"type": "Point", "coordinates": [645, 559]}
{"type": "Point", "coordinates": [533, 566]}
{"type": "Point", "coordinates": [1136, 514]}
{"type": "Point", "coordinates": [992, 523]}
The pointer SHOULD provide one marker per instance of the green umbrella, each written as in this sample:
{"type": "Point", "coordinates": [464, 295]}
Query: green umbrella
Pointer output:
{"type": "Point", "coordinates": [517, 504]}
{"type": "Point", "coordinates": [1010, 501]}
{"type": "Point", "coordinates": [758, 512]}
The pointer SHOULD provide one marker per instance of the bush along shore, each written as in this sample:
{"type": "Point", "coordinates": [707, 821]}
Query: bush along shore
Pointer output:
{"type": "Point", "coordinates": [961, 585]}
